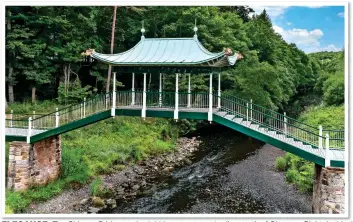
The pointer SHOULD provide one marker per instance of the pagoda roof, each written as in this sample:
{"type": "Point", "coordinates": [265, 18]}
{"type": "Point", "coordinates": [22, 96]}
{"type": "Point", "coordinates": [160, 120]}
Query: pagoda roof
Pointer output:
{"type": "Point", "coordinates": [170, 52]}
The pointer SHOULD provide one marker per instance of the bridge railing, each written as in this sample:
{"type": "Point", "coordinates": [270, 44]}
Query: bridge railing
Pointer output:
{"type": "Point", "coordinates": [336, 138]}
{"type": "Point", "coordinates": [156, 99]}
{"type": "Point", "coordinates": [281, 123]}
{"type": "Point", "coordinates": [71, 113]}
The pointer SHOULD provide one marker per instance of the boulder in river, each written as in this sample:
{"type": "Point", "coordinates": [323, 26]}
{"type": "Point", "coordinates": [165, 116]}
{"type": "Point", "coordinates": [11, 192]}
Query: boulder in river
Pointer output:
{"type": "Point", "coordinates": [97, 202]}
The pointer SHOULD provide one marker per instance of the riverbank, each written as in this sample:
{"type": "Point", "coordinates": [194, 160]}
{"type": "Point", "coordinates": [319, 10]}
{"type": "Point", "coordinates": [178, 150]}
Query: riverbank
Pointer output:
{"type": "Point", "coordinates": [123, 185]}
{"type": "Point", "coordinates": [221, 171]}
{"type": "Point", "coordinates": [258, 176]}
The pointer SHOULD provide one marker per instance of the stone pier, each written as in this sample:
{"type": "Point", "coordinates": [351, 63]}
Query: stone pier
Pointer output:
{"type": "Point", "coordinates": [328, 193]}
{"type": "Point", "coordinates": [33, 164]}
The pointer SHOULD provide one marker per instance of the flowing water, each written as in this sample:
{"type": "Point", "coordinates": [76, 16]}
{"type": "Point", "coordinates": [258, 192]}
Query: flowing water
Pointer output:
{"type": "Point", "coordinates": [230, 173]}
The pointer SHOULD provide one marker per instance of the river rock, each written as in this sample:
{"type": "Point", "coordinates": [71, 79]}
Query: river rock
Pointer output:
{"type": "Point", "coordinates": [168, 169]}
{"type": "Point", "coordinates": [187, 161]}
{"type": "Point", "coordinates": [93, 210]}
{"type": "Point", "coordinates": [135, 187]}
{"type": "Point", "coordinates": [84, 201]}
{"type": "Point", "coordinates": [97, 202]}
{"type": "Point", "coordinates": [111, 203]}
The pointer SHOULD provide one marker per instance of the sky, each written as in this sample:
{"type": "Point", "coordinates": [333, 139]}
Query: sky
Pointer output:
{"type": "Point", "coordinates": [311, 28]}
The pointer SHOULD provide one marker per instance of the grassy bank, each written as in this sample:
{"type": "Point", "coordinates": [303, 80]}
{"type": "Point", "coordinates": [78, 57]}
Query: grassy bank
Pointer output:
{"type": "Point", "coordinates": [299, 171]}
{"type": "Point", "coordinates": [98, 149]}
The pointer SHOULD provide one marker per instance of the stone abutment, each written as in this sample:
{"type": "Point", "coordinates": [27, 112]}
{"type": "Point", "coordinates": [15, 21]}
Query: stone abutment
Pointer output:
{"type": "Point", "coordinates": [33, 164]}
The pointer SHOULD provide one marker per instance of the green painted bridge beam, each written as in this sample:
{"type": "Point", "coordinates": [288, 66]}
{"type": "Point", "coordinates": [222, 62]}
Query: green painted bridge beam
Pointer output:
{"type": "Point", "coordinates": [71, 126]}
{"type": "Point", "coordinates": [9, 138]}
{"type": "Point", "coordinates": [182, 115]}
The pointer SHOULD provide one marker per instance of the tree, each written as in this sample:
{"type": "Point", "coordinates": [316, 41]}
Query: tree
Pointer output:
{"type": "Point", "coordinates": [111, 49]}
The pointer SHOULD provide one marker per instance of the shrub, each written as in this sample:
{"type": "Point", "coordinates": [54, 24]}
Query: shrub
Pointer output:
{"type": "Point", "coordinates": [292, 175]}
{"type": "Point", "coordinates": [281, 164]}
{"type": "Point", "coordinates": [97, 188]}
{"type": "Point", "coordinates": [74, 93]}
{"type": "Point", "coordinates": [74, 168]}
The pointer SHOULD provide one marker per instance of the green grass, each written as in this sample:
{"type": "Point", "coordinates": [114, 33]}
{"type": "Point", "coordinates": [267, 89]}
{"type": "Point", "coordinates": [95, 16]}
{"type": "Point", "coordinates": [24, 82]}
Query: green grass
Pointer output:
{"type": "Point", "coordinates": [43, 107]}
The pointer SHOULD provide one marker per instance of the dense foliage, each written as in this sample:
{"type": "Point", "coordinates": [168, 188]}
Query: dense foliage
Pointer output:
{"type": "Point", "coordinates": [327, 110]}
{"type": "Point", "coordinates": [44, 46]}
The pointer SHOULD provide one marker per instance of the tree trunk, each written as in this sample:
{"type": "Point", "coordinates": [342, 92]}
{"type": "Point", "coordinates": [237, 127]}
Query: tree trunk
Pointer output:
{"type": "Point", "coordinates": [107, 88]}
{"type": "Point", "coordinates": [6, 103]}
{"type": "Point", "coordinates": [10, 74]}
{"type": "Point", "coordinates": [11, 96]}
{"type": "Point", "coordinates": [33, 94]}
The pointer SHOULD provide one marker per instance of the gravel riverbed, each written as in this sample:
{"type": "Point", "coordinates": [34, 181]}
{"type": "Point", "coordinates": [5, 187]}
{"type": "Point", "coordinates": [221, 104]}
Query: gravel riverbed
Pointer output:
{"type": "Point", "coordinates": [218, 172]}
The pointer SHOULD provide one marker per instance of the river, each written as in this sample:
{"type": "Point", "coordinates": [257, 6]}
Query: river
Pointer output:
{"type": "Point", "coordinates": [230, 173]}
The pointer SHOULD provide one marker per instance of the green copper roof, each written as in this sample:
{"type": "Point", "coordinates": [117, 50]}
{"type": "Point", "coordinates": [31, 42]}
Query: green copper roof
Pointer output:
{"type": "Point", "coordinates": [167, 52]}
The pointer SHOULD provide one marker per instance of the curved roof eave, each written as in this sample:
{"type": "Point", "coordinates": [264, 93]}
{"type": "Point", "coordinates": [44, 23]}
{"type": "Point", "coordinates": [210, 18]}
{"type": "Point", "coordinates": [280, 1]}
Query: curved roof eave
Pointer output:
{"type": "Point", "coordinates": [195, 56]}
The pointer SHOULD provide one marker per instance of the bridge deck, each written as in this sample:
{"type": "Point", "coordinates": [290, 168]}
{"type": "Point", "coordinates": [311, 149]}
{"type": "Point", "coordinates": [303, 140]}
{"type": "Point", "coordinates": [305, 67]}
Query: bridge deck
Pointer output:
{"type": "Point", "coordinates": [265, 125]}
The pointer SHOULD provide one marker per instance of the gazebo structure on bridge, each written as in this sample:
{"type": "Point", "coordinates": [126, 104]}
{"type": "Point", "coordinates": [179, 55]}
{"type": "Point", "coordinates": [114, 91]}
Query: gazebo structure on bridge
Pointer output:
{"type": "Point", "coordinates": [169, 56]}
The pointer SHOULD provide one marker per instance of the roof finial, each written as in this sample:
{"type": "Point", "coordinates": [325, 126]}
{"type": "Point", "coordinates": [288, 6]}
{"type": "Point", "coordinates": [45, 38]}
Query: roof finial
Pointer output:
{"type": "Point", "coordinates": [195, 28]}
{"type": "Point", "coordinates": [143, 30]}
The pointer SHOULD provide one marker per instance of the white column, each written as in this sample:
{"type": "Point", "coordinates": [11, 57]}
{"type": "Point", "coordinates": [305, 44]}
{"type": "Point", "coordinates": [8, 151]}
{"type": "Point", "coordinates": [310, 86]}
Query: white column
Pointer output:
{"type": "Point", "coordinates": [285, 123]}
{"type": "Point", "coordinates": [250, 109]}
{"type": "Point", "coordinates": [29, 133]}
{"type": "Point", "coordinates": [160, 89]}
{"type": "Point", "coordinates": [320, 137]}
{"type": "Point", "coordinates": [114, 95]}
{"type": "Point", "coordinates": [84, 107]}
{"type": "Point", "coordinates": [176, 109]}
{"type": "Point", "coordinates": [143, 112]}
{"type": "Point", "coordinates": [189, 91]}
{"type": "Point", "coordinates": [133, 90]}
{"type": "Point", "coordinates": [219, 91]}
{"type": "Point", "coordinates": [57, 117]}
{"type": "Point", "coordinates": [327, 151]}
{"type": "Point", "coordinates": [247, 112]}
{"type": "Point", "coordinates": [11, 117]}
{"type": "Point", "coordinates": [210, 100]}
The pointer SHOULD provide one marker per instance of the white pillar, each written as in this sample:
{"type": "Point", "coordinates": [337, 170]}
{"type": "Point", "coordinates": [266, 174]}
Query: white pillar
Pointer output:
{"type": "Point", "coordinates": [250, 109]}
{"type": "Point", "coordinates": [133, 90]}
{"type": "Point", "coordinates": [320, 137]}
{"type": "Point", "coordinates": [143, 112]}
{"type": "Point", "coordinates": [114, 95]}
{"type": "Point", "coordinates": [160, 89]}
{"type": "Point", "coordinates": [219, 91]}
{"type": "Point", "coordinates": [285, 123]}
{"type": "Point", "coordinates": [84, 107]}
{"type": "Point", "coordinates": [247, 112]}
{"type": "Point", "coordinates": [189, 91]}
{"type": "Point", "coordinates": [81, 110]}
{"type": "Point", "coordinates": [11, 117]}
{"type": "Point", "coordinates": [57, 117]}
{"type": "Point", "coordinates": [210, 113]}
{"type": "Point", "coordinates": [176, 108]}
{"type": "Point", "coordinates": [327, 151]}
{"type": "Point", "coordinates": [29, 133]}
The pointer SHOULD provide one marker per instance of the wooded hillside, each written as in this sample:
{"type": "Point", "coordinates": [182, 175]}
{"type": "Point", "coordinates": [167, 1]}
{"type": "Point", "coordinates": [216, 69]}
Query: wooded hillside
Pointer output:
{"type": "Point", "coordinates": [44, 46]}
